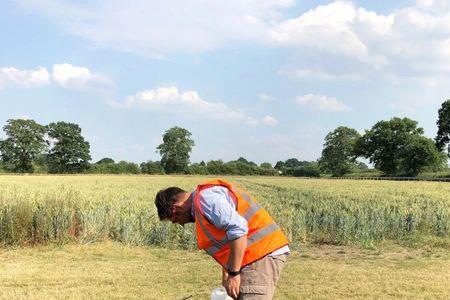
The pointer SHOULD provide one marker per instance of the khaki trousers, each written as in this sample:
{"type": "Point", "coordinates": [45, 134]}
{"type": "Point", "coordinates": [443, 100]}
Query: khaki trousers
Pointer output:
{"type": "Point", "coordinates": [259, 278]}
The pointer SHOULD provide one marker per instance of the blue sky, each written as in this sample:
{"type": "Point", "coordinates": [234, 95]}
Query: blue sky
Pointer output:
{"type": "Point", "coordinates": [264, 79]}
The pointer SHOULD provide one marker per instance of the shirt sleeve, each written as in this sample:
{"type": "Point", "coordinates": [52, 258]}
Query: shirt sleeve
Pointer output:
{"type": "Point", "coordinates": [218, 207]}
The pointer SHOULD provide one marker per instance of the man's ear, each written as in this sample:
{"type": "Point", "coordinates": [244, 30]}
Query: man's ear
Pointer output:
{"type": "Point", "coordinates": [178, 204]}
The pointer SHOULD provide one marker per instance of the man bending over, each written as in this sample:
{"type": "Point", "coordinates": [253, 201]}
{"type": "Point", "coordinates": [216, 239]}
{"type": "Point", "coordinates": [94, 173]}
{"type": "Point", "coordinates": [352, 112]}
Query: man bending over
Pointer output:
{"type": "Point", "coordinates": [235, 230]}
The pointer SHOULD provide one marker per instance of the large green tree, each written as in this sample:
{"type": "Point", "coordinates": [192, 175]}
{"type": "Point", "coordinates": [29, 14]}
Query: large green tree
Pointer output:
{"type": "Point", "coordinates": [338, 155]}
{"type": "Point", "coordinates": [397, 147]}
{"type": "Point", "coordinates": [443, 123]}
{"type": "Point", "coordinates": [70, 151]}
{"type": "Point", "coordinates": [420, 153]}
{"type": "Point", "coordinates": [25, 141]}
{"type": "Point", "coordinates": [175, 149]}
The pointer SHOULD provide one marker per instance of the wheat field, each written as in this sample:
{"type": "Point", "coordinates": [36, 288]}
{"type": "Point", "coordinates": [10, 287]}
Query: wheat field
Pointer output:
{"type": "Point", "coordinates": [41, 209]}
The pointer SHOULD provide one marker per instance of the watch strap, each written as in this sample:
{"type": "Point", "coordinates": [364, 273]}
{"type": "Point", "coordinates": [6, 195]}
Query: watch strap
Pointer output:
{"type": "Point", "coordinates": [233, 273]}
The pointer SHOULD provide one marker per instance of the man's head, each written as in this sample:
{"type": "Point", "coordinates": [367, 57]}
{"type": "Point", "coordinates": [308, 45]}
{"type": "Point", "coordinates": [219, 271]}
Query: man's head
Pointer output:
{"type": "Point", "coordinates": [174, 204]}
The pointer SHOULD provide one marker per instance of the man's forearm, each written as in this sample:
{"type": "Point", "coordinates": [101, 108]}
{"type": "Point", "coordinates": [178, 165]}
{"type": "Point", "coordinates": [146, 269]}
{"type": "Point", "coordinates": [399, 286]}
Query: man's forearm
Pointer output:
{"type": "Point", "coordinates": [237, 250]}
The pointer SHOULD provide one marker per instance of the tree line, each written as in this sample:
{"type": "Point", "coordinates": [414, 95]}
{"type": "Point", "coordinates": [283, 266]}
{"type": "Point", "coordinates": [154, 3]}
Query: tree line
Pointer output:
{"type": "Point", "coordinates": [395, 147]}
{"type": "Point", "coordinates": [58, 147]}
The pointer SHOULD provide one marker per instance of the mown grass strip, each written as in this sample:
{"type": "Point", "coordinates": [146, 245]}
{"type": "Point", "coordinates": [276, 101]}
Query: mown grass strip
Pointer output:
{"type": "Point", "coordinates": [111, 270]}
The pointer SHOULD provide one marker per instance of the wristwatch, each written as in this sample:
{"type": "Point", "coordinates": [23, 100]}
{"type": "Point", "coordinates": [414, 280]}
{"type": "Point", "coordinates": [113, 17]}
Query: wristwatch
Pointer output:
{"type": "Point", "coordinates": [233, 273]}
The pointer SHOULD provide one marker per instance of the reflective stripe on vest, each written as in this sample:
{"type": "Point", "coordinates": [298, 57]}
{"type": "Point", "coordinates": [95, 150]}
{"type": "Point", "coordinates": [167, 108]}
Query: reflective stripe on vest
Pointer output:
{"type": "Point", "coordinates": [251, 239]}
{"type": "Point", "coordinates": [219, 244]}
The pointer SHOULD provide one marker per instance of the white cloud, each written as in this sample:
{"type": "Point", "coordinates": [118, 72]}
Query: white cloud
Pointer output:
{"type": "Point", "coordinates": [320, 75]}
{"type": "Point", "coordinates": [341, 28]}
{"type": "Point", "coordinates": [64, 75]}
{"type": "Point", "coordinates": [79, 78]}
{"type": "Point", "coordinates": [13, 77]}
{"type": "Point", "coordinates": [328, 28]}
{"type": "Point", "coordinates": [322, 102]}
{"type": "Point", "coordinates": [155, 28]}
{"type": "Point", "coordinates": [434, 5]}
{"type": "Point", "coordinates": [170, 98]}
{"type": "Point", "coordinates": [410, 41]}
{"type": "Point", "coordinates": [270, 121]}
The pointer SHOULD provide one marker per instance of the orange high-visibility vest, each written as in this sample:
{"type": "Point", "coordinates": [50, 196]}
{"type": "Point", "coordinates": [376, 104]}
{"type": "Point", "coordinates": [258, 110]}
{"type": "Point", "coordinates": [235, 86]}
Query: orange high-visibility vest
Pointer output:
{"type": "Point", "coordinates": [264, 235]}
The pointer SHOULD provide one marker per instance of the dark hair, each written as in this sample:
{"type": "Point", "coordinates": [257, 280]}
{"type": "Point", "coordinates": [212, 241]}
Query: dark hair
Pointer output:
{"type": "Point", "coordinates": [165, 199]}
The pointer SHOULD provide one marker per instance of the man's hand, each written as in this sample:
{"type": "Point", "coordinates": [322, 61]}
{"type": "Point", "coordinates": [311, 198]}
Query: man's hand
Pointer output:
{"type": "Point", "coordinates": [232, 284]}
{"type": "Point", "coordinates": [224, 277]}
{"type": "Point", "coordinates": [237, 250]}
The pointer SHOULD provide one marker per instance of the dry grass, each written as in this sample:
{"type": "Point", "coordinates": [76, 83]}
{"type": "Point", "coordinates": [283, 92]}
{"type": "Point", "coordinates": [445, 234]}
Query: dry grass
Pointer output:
{"type": "Point", "coordinates": [111, 270]}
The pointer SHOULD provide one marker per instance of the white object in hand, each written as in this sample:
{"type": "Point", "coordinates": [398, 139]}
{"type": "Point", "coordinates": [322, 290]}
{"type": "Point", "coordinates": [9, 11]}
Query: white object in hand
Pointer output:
{"type": "Point", "coordinates": [220, 294]}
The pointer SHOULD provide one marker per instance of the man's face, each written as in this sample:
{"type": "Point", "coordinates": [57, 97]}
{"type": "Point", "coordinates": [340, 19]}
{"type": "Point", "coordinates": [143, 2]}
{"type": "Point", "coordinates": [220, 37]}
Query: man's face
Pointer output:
{"type": "Point", "coordinates": [180, 213]}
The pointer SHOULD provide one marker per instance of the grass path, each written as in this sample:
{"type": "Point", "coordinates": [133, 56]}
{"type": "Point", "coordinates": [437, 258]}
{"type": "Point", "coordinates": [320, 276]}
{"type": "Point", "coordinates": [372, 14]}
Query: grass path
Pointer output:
{"type": "Point", "coordinates": [111, 270]}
